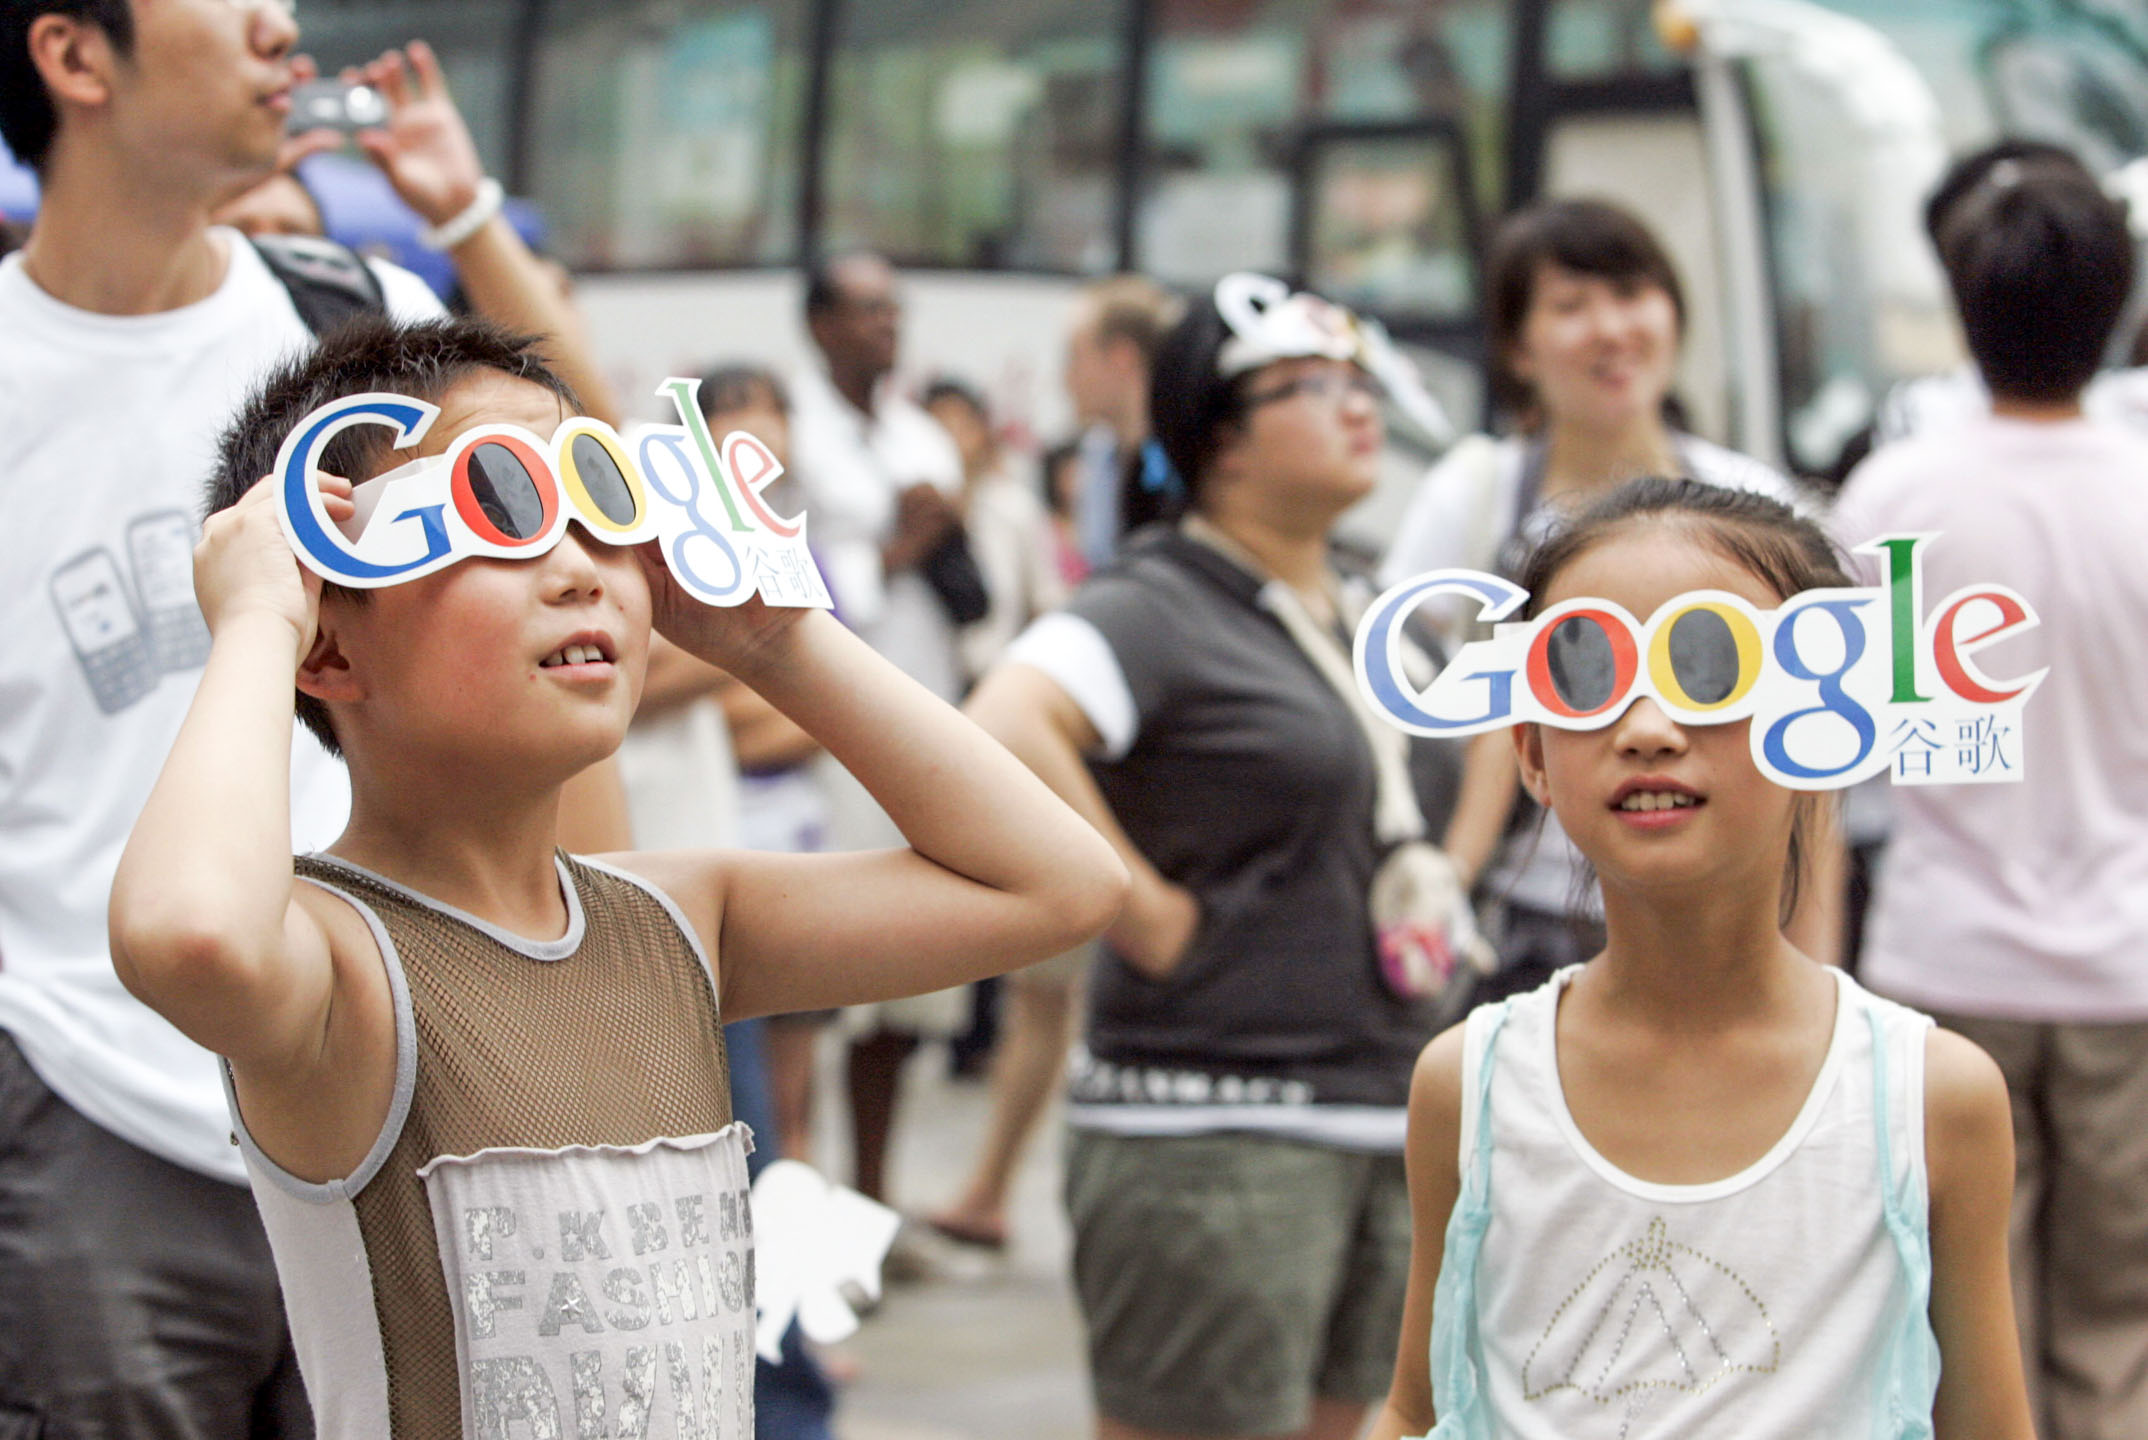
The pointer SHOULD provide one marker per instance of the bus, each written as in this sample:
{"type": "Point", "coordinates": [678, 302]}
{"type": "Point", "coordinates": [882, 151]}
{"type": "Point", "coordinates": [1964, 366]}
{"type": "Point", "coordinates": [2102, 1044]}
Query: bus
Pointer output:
{"type": "Point", "coordinates": [689, 154]}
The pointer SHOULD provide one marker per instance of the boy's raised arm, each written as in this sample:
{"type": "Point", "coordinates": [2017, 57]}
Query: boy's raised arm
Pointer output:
{"type": "Point", "coordinates": [999, 871]}
{"type": "Point", "coordinates": [203, 926]}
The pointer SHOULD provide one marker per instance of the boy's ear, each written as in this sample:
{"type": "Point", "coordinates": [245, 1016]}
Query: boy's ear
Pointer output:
{"type": "Point", "coordinates": [325, 674]}
{"type": "Point", "coordinates": [73, 57]}
{"type": "Point", "coordinates": [1529, 756]}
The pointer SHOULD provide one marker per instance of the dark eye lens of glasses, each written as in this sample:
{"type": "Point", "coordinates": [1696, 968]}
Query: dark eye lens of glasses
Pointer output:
{"type": "Point", "coordinates": [1704, 656]}
{"type": "Point", "coordinates": [506, 492]}
{"type": "Point", "coordinates": [602, 478]}
{"type": "Point", "coordinates": [1582, 665]}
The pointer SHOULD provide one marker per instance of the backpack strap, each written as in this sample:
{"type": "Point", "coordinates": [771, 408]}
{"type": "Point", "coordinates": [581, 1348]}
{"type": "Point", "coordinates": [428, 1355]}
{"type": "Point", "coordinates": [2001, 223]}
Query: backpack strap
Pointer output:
{"type": "Point", "coordinates": [329, 283]}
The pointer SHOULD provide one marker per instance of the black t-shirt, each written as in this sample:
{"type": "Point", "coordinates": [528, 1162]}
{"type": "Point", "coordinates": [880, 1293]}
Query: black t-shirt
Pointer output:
{"type": "Point", "coordinates": [1248, 781]}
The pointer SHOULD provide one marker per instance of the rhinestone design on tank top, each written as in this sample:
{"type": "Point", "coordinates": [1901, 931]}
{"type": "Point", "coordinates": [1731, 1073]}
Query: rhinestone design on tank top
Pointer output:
{"type": "Point", "coordinates": [1654, 1317]}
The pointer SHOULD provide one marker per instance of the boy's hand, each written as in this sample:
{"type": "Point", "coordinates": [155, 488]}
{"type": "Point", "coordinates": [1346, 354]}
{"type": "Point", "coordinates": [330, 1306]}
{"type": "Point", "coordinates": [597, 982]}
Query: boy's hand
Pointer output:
{"type": "Point", "coordinates": [738, 639]}
{"type": "Point", "coordinates": [245, 565]}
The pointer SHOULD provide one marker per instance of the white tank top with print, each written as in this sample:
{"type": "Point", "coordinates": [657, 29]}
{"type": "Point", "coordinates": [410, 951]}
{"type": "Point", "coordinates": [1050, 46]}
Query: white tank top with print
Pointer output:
{"type": "Point", "coordinates": [1755, 1306]}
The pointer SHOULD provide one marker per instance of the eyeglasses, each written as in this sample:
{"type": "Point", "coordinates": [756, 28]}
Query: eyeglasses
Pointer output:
{"type": "Point", "coordinates": [1332, 386]}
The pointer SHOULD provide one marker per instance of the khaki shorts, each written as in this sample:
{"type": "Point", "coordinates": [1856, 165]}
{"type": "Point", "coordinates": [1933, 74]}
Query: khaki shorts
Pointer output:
{"type": "Point", "coordinates": [1229, 1279]}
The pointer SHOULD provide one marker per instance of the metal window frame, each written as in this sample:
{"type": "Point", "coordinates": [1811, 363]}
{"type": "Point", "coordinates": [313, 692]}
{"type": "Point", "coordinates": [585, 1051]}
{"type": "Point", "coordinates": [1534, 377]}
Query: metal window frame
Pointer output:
{"type": "Point", "coordinates": [1536, 102]}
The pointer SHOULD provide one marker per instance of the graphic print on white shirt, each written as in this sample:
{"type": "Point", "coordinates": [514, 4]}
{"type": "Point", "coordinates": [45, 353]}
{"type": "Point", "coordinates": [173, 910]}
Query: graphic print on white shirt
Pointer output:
{"type": "Point", "coordinates": [1653, 1319]}
{"type": "Point", "coordinates": [601, 1291]}
{"type": "Point", "coordinates": [132, 622]}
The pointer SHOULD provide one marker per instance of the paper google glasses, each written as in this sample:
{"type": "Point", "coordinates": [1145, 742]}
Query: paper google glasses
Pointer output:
{"type": "Point", "coordinates": [504, 492]}
{"type": "Point", "coordinates": [1840, 685]}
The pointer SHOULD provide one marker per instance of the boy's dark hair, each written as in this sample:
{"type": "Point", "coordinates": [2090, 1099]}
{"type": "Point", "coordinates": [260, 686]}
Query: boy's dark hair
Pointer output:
{"type": "Point", "coordinates": [1588, 237]}
{"type": "Point", "coordinates": [2041, 263]}
{"type": "Point", "coordinates": [371, 353]}
{"type": "Point", "coordinates": [28, 120]}
{"type": "Point", "coordinates": [1965, 174]}
{"type": "Point", "coordinates": [1775, 544]}
{"type": "Point", "coordinates": [736, 386]}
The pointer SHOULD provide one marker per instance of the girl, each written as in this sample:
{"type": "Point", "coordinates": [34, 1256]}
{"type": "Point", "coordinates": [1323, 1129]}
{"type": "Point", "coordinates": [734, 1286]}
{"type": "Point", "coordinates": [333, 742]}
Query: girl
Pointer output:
{"type": "Point", "coordinates": [1587, 321]}
{"type": "Point", "coordinates": [1700, 1185]}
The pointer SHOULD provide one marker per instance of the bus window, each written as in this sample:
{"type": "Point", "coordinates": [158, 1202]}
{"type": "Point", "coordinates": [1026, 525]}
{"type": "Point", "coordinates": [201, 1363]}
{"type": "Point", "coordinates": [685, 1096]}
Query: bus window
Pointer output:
{"type": "Point", "coordinates": [1389, 230]}
{"type": "Point", "coordinates": [1233, 87]}
{"type": "Point", "coordinates": [666, 133]}
{"type": "Point", "coordinates": [977, 134]}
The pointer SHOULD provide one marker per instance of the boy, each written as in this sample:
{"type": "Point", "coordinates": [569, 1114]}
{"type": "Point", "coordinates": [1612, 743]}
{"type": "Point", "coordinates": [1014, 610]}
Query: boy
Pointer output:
{"type": "Point", "coordinates": [2014, 913]}
{"type": "Point", "coordinates": [481, 1088]}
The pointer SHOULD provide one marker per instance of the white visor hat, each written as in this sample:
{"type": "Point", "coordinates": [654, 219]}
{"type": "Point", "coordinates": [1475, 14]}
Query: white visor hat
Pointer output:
{"type": "Point", "coordinates": [1269, 322]}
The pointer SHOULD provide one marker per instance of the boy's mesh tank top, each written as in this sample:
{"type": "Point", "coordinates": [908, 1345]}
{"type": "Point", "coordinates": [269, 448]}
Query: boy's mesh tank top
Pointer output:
{"type": "Point", "coordinates": [616, 1215]}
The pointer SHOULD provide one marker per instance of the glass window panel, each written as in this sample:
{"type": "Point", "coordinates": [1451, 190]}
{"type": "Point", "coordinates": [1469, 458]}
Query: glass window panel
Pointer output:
{"type": "Point", "coordinates": [1388, 233]}
{"type": "Point", "coordinates": [1605, 39]}
{"type": "Point", "coordinates": [1232, 84]}
{"type": "Point", "coordinates": [474, 39]}
{"type": "Point", "coordinates": [976, 133]}
{"type": "Point", "coordinates": [666, 132]}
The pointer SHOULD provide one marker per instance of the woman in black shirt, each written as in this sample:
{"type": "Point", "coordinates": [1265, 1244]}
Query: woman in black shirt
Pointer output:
{"type": "Point", "coordinates": [1235, 1173]}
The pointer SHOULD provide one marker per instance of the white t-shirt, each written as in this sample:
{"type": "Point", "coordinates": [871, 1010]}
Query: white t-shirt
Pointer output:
{"type": "Point", "coordinates": [1935, 401]}
{"type": "Point", "coordinates": [2026, 900]}
{"type": "Point", "coordinates": [850, 468]}
{"type": "Point", "coordinates": [108, 427]}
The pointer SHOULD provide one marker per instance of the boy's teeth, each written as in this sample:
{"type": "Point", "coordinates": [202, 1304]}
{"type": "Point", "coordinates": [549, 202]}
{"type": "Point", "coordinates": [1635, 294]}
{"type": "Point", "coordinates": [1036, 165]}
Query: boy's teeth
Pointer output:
{"type": "Point", "coordinates": [1657, 800]}
{"type": "Point", "coordinates": [573, 655]}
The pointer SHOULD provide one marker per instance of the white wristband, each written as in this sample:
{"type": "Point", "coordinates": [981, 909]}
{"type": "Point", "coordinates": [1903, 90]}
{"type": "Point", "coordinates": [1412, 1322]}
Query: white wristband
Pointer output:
{"type": "Point", "coordinates": [490, 196]}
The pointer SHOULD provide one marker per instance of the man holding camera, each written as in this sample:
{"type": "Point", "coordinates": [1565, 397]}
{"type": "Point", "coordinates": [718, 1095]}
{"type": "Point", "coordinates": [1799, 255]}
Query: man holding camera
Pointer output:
{"type": "Point", "coordinates": [137, 1295]}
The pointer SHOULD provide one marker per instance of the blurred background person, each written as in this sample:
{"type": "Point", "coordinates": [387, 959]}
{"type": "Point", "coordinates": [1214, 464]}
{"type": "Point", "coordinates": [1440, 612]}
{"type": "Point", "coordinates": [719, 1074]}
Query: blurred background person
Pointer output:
{"type": "Point", "coordinates": [1585, 314]}
{"type": "Point", "coordinates": [883, 484]}
{"type": "Point", "coordinates": [1111, 347]}
{"type": "Point", "coordinates": [1012, 535]}
{"type": "Point", "coordinates": [1010, 532]}
{"type": "Point", "coordinates": [2014, 913]}
{"type": "Point", "coordinates": [1063, 467]}
{"type": "Point", "coordinates": [2119, 396]}
{"type": "Point", "coordinates": [708, 762]}
{"type": "Point", "coordinates": [1234, 1175]}
{"type": "Point", "coordinates": [780, 805]}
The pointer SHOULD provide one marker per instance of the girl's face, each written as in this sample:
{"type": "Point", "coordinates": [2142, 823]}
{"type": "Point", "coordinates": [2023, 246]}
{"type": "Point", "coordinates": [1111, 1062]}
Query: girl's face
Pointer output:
{"type": "Point", "coordinates": [1658, 807]}
{"type": "Point", "coordinates": [1599, 353]}
{"type": "Point", "coordinates": [1310, 438]}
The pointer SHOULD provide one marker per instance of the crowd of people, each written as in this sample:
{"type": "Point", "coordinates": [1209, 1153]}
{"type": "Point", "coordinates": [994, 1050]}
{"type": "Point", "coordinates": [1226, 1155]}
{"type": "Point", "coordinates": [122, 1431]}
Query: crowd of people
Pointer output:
{"type": "Point", "coordinates": [1665, 1143]}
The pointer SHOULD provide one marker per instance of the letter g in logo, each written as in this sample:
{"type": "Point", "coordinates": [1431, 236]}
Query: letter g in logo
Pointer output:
{"type": "Point", "coordinates": [1379, 651]}
{"type": "Point", "coordinates": [320, 544]}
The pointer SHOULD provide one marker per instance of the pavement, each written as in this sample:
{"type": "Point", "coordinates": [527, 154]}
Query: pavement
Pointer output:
{"type": "Point", "coordinates": [989, 1347]}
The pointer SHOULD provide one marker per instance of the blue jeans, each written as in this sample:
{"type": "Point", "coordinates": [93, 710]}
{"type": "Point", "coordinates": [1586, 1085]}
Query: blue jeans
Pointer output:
{"type": "Point", "coordinates": [791, 1401]}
